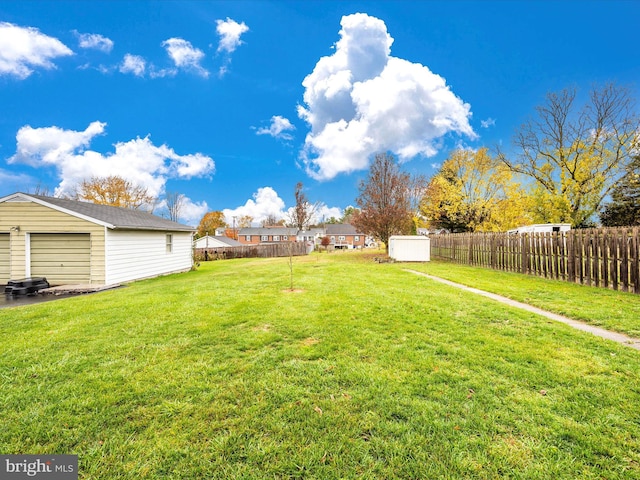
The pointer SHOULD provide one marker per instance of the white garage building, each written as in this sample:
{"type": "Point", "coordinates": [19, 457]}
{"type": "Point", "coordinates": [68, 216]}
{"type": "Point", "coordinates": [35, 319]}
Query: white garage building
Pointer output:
{"type": "Point", "coordinates": [81, 243]}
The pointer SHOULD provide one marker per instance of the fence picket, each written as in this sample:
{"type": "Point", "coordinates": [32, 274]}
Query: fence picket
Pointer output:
{"type": "Point", "coordinates": [283, 249]}
{"type": "Point", "coordinates": [606, 258]}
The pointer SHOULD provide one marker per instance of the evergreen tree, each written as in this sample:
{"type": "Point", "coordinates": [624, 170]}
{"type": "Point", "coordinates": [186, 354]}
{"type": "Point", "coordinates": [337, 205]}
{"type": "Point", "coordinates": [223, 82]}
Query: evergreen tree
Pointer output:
{"type": "Point", "coordinates": [624, 208]}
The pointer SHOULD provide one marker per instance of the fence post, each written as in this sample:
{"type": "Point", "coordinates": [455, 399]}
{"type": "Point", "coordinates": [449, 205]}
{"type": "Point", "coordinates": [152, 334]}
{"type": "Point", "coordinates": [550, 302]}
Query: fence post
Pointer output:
{"type": "Point", "coordinates": [492, 254]}
{"type": "Point", "coordinates": [605, 259]}
{"type": "Point", "coordinates": [615, 275]}
{"type": "Point", "coordinates": [636, 261]}
{"type": "Point", "coordinates": [624, 267]}
{"type": "Point", "coordinates": [524, 265]}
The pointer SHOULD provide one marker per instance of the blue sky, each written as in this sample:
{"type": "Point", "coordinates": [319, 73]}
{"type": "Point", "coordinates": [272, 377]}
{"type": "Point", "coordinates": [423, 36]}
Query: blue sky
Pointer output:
{"type": "Point", "coordinates": [231, 103]}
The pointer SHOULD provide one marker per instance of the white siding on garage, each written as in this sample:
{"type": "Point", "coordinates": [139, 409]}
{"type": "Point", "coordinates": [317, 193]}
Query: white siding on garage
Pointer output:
{"type": "Point", "coordinates": [4, 258]}
{"type": "Point", "coordinates": [133, 255]}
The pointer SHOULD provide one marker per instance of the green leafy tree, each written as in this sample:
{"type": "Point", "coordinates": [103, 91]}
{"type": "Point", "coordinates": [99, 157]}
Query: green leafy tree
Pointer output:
{"type": "Point", "coordinates": [624, 208]}
{"type": "Point", "coordinates": [348, 214]}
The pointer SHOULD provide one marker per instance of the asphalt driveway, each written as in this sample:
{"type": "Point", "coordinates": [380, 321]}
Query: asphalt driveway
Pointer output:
{"type": "Point", "coordinates": [19, 300]}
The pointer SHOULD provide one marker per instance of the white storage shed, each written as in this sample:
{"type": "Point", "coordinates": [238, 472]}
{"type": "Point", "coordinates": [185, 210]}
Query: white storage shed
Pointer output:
{"type": "Point", "coordinates": [410, 248]}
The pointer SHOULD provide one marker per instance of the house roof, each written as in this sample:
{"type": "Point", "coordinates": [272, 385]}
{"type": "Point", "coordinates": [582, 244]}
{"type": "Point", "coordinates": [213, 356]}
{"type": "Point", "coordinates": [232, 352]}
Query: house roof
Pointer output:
{"type": "Point", "coordinates": [312, 232]}
{"type": "Point", "coordinates": [341, 229]}
{"type": "Point", "coordinates": [110, 217]}
{"type": "Point", "coordinates": [269, 231]}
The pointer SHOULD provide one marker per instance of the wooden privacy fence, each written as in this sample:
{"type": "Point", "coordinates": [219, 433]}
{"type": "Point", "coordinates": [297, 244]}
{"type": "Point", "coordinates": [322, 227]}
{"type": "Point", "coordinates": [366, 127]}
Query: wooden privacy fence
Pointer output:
{"type": "Point", "coordinates": [250, 251]}
{"type": "Point", "coordinates": [604, 257]}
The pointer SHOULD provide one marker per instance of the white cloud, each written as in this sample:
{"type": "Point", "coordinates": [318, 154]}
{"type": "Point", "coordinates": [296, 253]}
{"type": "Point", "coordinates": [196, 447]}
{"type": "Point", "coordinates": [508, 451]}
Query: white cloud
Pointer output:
{"type": "Point", "coordinates": [278, 128]}
{"type": "Point", "coordinates": [138, 160]}
{"type": "Point", "coordinates": [361, 100]}
{"type": "Point", "coordinates": [185, 56]}
{"type": "Point", "coordinates": [94, 41]}
{"type": "Point", "coordinates": [133, 64]}
{"type": "Point", "coordinates": [164, 72]}
{"type": "Point", "coordinates": [192, 212]}
{"type": "Point", "coordinates": [324, 213]}
{"type": "Point", "coordinates": [11, 182]}
{"type": "Point", "coordinates": [52, 145]}
{"type": "Point", "coordinates": [489, 122]}
{"type": "Point", "coordinates": [230, 32]}
{"type": "Point", "coordinates": [24, 48]}
{"type": "Point", "coordinates": [265, 203]}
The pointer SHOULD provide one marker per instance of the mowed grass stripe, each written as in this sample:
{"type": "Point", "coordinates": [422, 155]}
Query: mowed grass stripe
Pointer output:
{"type": "Point", "coordinates": [365, 371]}
{"type": "Point", "coordinates": [609, 309]}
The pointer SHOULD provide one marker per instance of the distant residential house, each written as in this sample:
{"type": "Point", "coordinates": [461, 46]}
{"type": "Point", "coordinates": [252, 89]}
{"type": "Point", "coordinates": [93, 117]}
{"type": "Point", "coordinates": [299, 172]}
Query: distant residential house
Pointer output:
{"type": "Point", "coordinates": [257, 236]}
{"type": "Point", "coordinates": [71, 242]}
{"type": "Point", "coordinates": [344, 235]}
{"type": "Point", "coordinates": [542, 228]}
{"type": "Point", "coordinates": [431, 231]}
{"type": "Point", "coordinates": [312, 235]}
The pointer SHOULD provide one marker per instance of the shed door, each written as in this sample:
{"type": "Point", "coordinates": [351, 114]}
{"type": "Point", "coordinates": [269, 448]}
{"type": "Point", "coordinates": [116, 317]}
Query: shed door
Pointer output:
{"type": "Point", "coordinates": [63, 258]}
{"type": "Point", "coordinates": [4, 258]}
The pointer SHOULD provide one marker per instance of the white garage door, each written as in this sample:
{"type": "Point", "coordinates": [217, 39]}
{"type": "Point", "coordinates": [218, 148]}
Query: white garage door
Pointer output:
{"type": "Point", "coordinates": [4, 258]}
{"type": "Point", "coordinates": [63, 258]}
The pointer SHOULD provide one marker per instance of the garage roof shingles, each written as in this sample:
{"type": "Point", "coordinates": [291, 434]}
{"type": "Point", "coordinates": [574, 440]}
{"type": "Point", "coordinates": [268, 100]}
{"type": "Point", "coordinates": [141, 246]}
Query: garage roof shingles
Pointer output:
{"type": "Point", "coordinates": [119, 218]}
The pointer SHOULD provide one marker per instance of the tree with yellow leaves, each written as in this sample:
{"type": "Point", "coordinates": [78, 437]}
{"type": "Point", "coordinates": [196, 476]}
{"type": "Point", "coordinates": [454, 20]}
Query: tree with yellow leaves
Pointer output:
{"type": "Point", "coordinates": [116, 191]}
{"type": "Point", "coordinates": [210, 222]}
{"type": "Point", "coordinates": [473, 191]}
{"type": "Point", "coordinates": [575, 155]}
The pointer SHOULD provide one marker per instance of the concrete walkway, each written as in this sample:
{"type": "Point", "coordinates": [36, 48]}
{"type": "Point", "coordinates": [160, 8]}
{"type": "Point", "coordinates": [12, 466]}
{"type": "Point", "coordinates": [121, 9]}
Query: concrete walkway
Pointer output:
{"type": "Point", "coordinates": [600, 332]}
{"type": "Point", "coordinates": [76, 289]}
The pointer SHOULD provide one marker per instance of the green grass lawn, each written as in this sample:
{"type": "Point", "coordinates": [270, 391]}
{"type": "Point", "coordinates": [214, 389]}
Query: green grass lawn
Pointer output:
{"type": "Point", "coordinates": [616, 311]}
{"type": "Point", "coordinates": [363, 371]}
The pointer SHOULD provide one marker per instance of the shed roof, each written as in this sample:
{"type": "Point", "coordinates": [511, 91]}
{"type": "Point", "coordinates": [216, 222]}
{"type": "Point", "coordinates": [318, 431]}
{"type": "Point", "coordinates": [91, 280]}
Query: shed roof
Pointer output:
{"type": "Point", "coordinates": [230, 242]}
{"type": "Point", "coordinates": [107, 215]}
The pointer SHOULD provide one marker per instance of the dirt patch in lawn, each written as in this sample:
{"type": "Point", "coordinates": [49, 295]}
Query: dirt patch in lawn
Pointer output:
{"type": "Point", "coordinates": [262, 328]}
